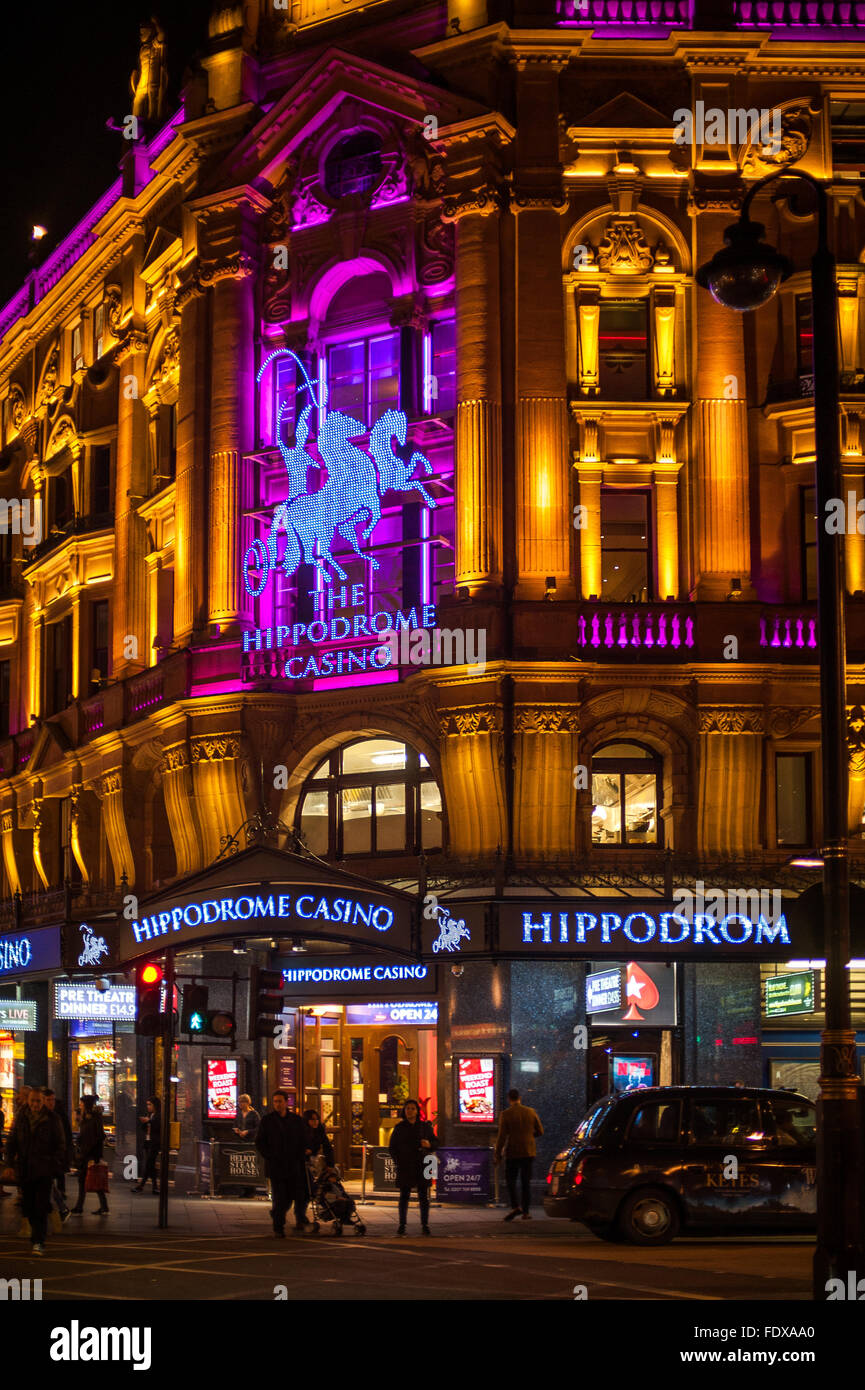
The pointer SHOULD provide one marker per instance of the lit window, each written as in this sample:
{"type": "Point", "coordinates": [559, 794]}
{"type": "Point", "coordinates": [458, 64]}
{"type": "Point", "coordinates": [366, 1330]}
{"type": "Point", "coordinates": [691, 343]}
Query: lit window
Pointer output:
{"type": "Point", "coordinates": [363, 377]}
{"type": "Point", "coordinates": [77, 351]}
{"type": "Point", "coordinates": [623, 349]}
{"type": "Point", "coordinates": [99, 331]}
{"type": "Point", "coordinates": [804, 335]}
{"type": "Point", "coordinates": [625, 550]}
{"type": "Point", "coordinates": [626, 795]}
{"type": "Point", "coordinates": [353, 165]}
{"type": "Point", "coordinates": [793, 799]}
{"type": "Point", "coordinates": [372, 797]}
{"type": "Point", "coordinates": [443, 393]}
{"type": "Point", "coordinates": [808, 532]}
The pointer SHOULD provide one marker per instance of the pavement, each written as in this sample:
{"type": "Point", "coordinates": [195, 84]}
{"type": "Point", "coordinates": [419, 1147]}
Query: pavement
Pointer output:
{"type": "Point", "coordinates": [224, 1249]}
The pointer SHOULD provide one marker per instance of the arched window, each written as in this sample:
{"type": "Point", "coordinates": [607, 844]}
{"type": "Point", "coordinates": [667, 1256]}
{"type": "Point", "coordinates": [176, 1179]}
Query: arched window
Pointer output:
{"type": "Point", "coordinates": [626, 795]}
{"type": "Point", "coordinates": [371, 797]}
{"type": "Point", "coordinates": [353, 165]}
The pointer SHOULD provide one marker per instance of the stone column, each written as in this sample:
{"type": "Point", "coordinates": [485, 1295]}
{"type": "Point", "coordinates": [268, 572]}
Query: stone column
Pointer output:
{"type": "Point", "coordinates": [590, 533]}
{"type": "Point", "coordinates": [731, 775]}
{"type": "Point", "coordinates": [128, 628]}
{"type": "Point", "coordinates": [190, 499]}
{"type": "Point", "coordinates": [473, 779]}
{"type": "Point", "coordinates": [478, 464]}
{"type": "Point", "coordinates": [545, 756]}
{"type": "Point", "coordinates": [720, 494]}
{"type": "Point", "coordinates": [543, 506]}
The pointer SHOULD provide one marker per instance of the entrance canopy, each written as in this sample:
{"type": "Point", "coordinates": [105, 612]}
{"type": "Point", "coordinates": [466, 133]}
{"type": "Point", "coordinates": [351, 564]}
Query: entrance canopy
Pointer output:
{"type": "Point", "coordinates": [261, 892]}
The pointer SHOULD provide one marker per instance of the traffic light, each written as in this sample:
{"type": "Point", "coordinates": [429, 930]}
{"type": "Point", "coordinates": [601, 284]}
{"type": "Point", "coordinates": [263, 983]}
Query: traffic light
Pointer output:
{"type": "Point", "coordinates": [193, 1014]}
{"type": "Point", "coordinates": [220, 1023]}
{"type": "Point", "coordinates": [265, 1001]}
{"type": "Point", "coordinates": [150, 1012]}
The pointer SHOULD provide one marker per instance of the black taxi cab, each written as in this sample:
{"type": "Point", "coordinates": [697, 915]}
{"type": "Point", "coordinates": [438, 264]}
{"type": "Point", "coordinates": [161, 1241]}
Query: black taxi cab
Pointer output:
{"type": "Point", "coordinates": [648, 1163]}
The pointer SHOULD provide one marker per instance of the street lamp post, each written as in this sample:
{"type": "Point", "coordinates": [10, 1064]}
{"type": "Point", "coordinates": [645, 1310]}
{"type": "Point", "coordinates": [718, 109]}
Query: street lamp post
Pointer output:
{"type": "Point", "coordinates": [742, 276]}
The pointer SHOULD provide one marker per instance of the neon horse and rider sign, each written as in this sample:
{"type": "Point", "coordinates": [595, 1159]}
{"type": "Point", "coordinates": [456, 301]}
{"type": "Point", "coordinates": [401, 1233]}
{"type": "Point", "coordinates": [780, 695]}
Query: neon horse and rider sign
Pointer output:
{"type": "Point", "coordinates": [363, 466]}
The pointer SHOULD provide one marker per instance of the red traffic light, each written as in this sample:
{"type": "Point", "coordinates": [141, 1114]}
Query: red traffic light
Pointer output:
{"type": "Point", "coordinates": [151, 974]}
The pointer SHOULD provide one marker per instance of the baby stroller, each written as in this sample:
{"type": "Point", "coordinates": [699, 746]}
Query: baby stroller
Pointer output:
{"type": "Point", "coordinates": [330, 1201]}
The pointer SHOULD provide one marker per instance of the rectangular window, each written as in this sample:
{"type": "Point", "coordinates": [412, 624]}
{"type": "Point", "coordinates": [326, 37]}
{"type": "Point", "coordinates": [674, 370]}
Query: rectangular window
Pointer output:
{"type": "Point", "coordinates": [363, 377]}
{"type": "Point", "coordinates": [623, 355]}
{"type": "Point", "coordinates": [62, 500]}
{"type": "Point", "coordinates": [5, 682]}
{"type": "Point", "coordinates": [77, 349]}
{"type": "Point", "coordinates": [625, 546]}
{"type": "Point", "coordinates": [99, 638]}
{"type": "Point", "coordinates": [99, 331]}
{"type": "Point", "coordinates": [284, 398]}
{"type": "Point", "coordinates": [793, 799]}
{"type": "Point", "coordinates": [58, 665]}
{"type": "Point", "coordinates": [100, 484]}
{"type": "Point", "coordinates": [166, 443]}
{"type": "Point", "coordinates": [808, 532]}
{"type": "Point", "coordinates": [444, 371]}
{"type": "Point", "coordinates": [804, 336]}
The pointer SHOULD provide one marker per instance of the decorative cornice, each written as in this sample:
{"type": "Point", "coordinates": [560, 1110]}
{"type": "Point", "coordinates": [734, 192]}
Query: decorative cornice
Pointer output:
{"type": "Point", "coordinates": [783, 720]}
{"type": "Point", "coordinates": [471, 719]}
{"type": "Point", "coordinates": [133, 343]}
{"type": "Point", "coordinates": [483, 200]}
{"type": "Point", "coordinates": [238, 266]}
{"type": "Point", "coordinates": [732, 719]}
{"type": "Point", "coordinates": [856, 738]}
{"type": "Point", "coordinates": [214, 748]}
{"type": "Point", "coordinates": [546, 719]}
{"type": "Point", "coordinates": [175, 758]}
{"type": "Point", "coordinates": [112, 782]}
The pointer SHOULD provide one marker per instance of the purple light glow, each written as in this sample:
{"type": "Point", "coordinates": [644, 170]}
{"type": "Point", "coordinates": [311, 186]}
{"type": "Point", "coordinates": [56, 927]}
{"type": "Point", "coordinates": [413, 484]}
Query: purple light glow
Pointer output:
{"type": "Point", "coordinates": [341, 682]}
{"type": "Point", "coordinates": [789, 632]}
{"type": "Point", "coordinates": [622, 630]}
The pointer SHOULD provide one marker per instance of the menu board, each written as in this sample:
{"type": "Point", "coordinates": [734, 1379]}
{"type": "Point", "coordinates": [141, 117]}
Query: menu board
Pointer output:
{"type": "Point", "coordinates": [477, 1090]}
{"type": "Point", "coordinates": [221, 1089]}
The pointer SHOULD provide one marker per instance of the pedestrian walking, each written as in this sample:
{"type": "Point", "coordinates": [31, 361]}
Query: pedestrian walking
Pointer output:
{"type": "Point", "coordinates": [280, 1141]}
{"type": "Point", "coordinates": [91, 1141]}
{"type": "Point", "coordinates": [519, 1126]}
{"type": "Point", "coordinates": [58, 1194]}
{"type": "Point", "coordinates": [36, 1147]}
{"type": "Point", "coordinates": [3, 1192]}
{"type": "Point", "coordinates": [411, 1143]}
{"type": "Point", "coordinates": [152, 1122]}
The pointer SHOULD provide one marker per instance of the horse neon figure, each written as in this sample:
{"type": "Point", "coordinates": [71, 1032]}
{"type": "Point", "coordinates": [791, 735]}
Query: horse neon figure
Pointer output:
{"type": "Point", "coordinates": [352, 493]}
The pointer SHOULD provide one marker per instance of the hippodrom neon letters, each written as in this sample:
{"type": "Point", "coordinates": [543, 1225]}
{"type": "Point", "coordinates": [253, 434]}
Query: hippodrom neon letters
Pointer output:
{"type": "Point", "coordinates": [641, 928]}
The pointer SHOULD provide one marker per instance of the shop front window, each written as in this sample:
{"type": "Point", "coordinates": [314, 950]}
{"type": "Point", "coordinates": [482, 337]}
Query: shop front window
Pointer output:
{"type": "Point", "coordinates": [626, 795]}
{"type": "Point", "coordinates": [373, 797]}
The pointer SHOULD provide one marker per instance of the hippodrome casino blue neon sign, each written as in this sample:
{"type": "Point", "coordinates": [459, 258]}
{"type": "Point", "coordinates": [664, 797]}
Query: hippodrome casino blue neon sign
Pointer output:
{"type": "Point", "coordinates": [308, 906]}
{"type": "Point", "coordinates": [641, 928]}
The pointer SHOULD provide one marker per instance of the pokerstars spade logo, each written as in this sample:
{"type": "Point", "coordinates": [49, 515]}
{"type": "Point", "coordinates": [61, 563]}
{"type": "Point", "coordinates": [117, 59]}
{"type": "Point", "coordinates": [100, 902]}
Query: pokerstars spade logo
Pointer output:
{"type": "Point", "coordinates": [641, 993]}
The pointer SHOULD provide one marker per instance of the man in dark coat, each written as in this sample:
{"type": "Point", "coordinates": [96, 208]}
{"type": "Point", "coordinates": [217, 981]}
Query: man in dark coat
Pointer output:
{"type": "Point", "coordinates": [411, 1144]}
{"type": "Point", "coordinates": [57, 1108]}
{"type": "Point", "coordinates": [37, 1149]}
{"type": "Point", "coordinates": [280, 1141]}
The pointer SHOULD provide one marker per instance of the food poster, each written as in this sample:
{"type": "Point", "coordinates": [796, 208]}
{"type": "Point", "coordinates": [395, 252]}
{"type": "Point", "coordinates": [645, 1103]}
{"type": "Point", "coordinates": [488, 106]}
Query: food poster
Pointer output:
{"type": "Point", "coordinates": [477, 1089]}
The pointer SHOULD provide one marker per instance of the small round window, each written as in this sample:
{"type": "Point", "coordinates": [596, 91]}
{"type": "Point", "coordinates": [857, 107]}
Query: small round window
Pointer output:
{"type": "Point", "coordinates": [353, 165]}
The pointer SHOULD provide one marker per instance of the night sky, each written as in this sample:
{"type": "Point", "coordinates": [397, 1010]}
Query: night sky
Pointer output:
{"type": "Point", "coordinates": [64, 71]}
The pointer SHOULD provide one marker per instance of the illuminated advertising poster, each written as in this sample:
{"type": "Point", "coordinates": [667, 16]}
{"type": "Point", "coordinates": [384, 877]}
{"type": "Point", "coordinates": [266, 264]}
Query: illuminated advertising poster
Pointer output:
{"type": "Point", "coordinates": [632, 1073]}
{"type": "Point", "coordinates": [221, 1089]}
{"type": "Point", "coordinates": [477, 1090]}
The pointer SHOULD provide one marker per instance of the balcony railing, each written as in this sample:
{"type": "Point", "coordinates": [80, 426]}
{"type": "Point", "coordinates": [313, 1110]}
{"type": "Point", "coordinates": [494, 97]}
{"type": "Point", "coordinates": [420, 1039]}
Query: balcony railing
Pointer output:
{"type": "Point", "coordinates": [701, 632]}
{"type": "Point", "coordinates": [611, 628]}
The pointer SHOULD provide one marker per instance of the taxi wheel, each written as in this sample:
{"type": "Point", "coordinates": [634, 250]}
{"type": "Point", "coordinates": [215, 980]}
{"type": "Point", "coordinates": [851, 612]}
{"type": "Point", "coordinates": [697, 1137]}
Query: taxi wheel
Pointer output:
{"type": "Point", "coordinates": [649, 1217]}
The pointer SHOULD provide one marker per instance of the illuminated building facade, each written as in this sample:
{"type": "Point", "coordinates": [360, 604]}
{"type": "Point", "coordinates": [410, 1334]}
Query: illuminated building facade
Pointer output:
{"type": "Point", "coordinates": [393, 327]}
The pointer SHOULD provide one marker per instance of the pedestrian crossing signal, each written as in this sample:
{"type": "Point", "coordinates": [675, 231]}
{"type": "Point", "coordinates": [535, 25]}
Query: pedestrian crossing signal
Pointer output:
{"type": "Point", "coordinates": [193, 1015]}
